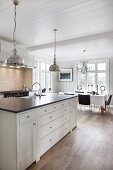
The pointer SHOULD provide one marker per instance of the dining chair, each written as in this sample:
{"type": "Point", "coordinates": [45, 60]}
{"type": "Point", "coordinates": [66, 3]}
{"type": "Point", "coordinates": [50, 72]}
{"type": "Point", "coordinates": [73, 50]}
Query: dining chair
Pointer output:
{"type": "Point", "coordinates": [84, 99]}
{"type": "Point", "coordinates": [107, 103]}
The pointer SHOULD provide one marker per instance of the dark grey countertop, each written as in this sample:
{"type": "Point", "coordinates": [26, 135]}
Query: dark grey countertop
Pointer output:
{"type": "Point", "coordinates": [17, 104]}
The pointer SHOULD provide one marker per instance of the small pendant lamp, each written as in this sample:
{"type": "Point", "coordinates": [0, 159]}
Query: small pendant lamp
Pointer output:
{"type": "Point", "coordinates": [54, 67]}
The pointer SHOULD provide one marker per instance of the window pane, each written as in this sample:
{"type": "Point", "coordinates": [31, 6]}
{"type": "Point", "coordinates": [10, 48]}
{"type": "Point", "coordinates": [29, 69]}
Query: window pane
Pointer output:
{"type": "Point", "coordinates": [91, 66]}
{"type": "Point", "coordinates": [101, 81]}
{"type": "Point", "coordinates": [82, 80]}
{"type": "Point", "coordinates": [91, 82]}
{"type": "Point", "coordinates": [37, 76]}
{"type": "Point", "coordinates": [101, 66]}
{"type": "Point", "coordinates": [42, 80]}
{"type": "Point", "coordinates": [48, 85]}
{"type": "Point", "coordinates": [34, 73]}
{"type": "Point", "coordinates": [38, 65]}
{"type": "Point", "coordinates": [47, 67]}
{"type": "Point", "coordinates": [42, 66]}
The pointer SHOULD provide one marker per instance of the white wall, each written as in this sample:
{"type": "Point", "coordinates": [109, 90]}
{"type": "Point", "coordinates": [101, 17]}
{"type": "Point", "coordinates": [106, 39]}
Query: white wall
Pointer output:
{"type": "Point", "coordinates": [67, 86]}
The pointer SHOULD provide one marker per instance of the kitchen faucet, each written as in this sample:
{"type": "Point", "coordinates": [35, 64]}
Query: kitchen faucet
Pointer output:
{"type": "Point", "coordinates": [39, 90]}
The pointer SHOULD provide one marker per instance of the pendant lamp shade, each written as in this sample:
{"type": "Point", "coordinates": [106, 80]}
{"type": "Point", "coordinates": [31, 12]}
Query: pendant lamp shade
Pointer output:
{"type": "Point", "coordinates": [54, 67]}
{"type": "Point", "coordinates": [14, 59]}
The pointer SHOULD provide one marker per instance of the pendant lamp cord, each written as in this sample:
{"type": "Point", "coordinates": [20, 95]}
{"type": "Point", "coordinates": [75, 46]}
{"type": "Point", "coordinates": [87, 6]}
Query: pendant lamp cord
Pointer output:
{"type": "Point", "coordinates": [14, 31]}
{"type": "Point", "coordinates": [55, 47]}
{"type": "Point", "coordinates": [85, 65]}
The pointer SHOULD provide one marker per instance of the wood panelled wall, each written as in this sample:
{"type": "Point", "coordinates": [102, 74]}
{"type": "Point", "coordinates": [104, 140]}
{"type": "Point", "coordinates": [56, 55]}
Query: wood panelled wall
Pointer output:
{"type": "Point", "coordinates": [14, 79]}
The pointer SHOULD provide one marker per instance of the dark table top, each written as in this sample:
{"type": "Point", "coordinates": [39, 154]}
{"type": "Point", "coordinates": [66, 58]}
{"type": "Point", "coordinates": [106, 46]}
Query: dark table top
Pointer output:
{"type": "Point", "coordinates": [17, 104]}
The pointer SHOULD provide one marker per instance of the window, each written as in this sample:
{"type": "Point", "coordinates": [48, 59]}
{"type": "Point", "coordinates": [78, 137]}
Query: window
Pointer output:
{"type": "Point", "coordinates": [96, 77]}
{"type": "Point", "coordinates": [42, 75]}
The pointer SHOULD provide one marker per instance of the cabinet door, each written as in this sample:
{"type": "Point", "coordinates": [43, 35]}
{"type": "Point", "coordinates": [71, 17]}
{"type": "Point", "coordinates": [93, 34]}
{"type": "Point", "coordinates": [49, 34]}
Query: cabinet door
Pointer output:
{"type": "Point", "coordinates": [27, 145]}
{"type": "Point", "coordinates": [73, 113]}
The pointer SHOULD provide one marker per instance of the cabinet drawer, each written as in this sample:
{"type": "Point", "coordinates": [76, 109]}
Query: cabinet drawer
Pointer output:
{"type": "Point", "coordinates": [67, 109]}
{"type": "Point", "coordinates": [67, 127]}
{"type": "Point", "coordinates": [27, 117]}
{"type": "Point", "coordinates": [45, 130]}
{"type": "Point", "coordinates": [66, 103]}
{"type": "Point", "coordinates": [58, 134]}
{"type": "Point", "coordinates": [48, 109]}
{"type": "Point", "coordinates": [44, 110]}
{"type": "Point", "coordinates": [56, 106]}
{"type": "Point", "coordinates": [45, 144]}
{"type": "Point", "coordinates": [44, 119]}
{"type": "Point", "coordinates": [67, 117]}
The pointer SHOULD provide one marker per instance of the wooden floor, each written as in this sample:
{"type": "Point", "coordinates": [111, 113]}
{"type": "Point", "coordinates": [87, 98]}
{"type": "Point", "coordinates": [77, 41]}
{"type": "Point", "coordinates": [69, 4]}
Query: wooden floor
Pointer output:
{"type": "Point", "coordinates": [88, 147]}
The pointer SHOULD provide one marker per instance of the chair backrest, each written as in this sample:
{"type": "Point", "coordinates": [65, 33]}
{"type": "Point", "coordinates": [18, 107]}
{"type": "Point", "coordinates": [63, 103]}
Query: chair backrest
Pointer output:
{"type": "Point", "coordinates": [84, 99]}
{"type": "Point", "coordinates": [109, 100]}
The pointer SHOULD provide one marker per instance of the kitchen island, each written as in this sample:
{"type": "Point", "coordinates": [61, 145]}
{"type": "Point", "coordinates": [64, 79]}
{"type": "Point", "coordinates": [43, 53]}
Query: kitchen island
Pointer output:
{"type": "Point", "coordinates": [30, 126]}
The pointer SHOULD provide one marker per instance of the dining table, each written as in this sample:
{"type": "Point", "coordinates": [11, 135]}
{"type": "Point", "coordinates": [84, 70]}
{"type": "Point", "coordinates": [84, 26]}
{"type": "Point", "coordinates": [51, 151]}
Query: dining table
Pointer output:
{"type": "Point", "coordinates": [95, 100]}
{"type": "Point", "coordinates": [98, 100]}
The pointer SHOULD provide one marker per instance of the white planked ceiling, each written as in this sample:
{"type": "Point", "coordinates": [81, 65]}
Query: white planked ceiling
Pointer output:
{"type": "Point", "coordinates": [81, 24]}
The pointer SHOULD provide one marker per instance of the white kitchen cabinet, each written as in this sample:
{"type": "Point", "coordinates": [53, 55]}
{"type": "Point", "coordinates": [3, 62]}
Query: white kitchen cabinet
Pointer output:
{"type": "Point", "coordinates": [17, 140]}
{"type": "Point", "coordinates": [73, 113]}
{"type": "Point", "coordinates": [27, 144]}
